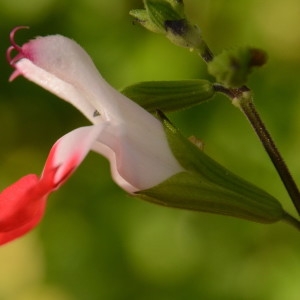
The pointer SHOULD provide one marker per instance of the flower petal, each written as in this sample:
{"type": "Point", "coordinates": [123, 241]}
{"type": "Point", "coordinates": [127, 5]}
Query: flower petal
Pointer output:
{"type": "Point", "coordinates": [23, 203]}
{"type": "Point", "coordinates": [22, 206]}
{"type": "Point", "coordinates": [69, 151]}
{"type": "Point", "coordinates": [61, 66]}
{"type": "Point", "coordinates": [138, 160]}
{"type": "Point", "coordinates": [55, 85]}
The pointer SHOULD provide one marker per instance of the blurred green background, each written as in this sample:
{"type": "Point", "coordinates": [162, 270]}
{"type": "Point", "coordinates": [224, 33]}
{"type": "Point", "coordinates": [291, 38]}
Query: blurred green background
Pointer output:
{"type": "Point", "coordinates": [97, 243]}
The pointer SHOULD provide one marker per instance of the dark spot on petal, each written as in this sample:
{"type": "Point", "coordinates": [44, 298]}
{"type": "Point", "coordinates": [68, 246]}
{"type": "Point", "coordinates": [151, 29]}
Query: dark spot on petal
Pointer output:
{"type": "Point", "coordinates": [96, 113]}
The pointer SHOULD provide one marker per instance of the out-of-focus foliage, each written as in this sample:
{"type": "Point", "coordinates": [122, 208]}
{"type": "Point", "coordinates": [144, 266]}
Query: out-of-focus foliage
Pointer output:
{"type": "Point", "coordinates": [97, 243]}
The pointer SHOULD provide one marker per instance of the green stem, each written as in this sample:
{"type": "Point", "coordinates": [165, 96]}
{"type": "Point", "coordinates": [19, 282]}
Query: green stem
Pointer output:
{"type": "Point", "coordinates": [205, 52]}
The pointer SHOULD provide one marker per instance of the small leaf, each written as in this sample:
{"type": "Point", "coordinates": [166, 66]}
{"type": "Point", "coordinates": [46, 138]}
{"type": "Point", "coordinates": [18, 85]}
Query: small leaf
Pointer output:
{"type": "Point", "coordinates": [209, 187]}
{"type": "Point", "coordinates": [170, 95]}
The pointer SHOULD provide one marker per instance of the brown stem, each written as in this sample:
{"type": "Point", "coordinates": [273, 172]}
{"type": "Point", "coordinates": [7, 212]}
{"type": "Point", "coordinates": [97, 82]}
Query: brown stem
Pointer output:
{"type": "Point", "coordinates": [248, 108]}
{"type": "Point", "coordinates": [241, 98]}
{"type": "Point", "coordinates": [245, 103]}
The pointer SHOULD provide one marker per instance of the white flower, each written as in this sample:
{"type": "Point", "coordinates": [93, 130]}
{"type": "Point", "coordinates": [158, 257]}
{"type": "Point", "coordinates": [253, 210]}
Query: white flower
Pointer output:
{"type": "Point", "coordinates": [133, 140]}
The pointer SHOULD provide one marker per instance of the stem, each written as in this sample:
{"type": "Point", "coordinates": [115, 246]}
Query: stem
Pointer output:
{"type": "Point", "coordinates": [205, 52]}
{"type": "Point", "coordinates": [242, 99]}
{"type": "Point", "coordinates": [247, 106]}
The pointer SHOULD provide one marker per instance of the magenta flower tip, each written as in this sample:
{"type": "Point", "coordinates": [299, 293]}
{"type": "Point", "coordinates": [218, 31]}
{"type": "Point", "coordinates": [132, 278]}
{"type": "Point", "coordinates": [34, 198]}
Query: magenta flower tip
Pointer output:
{"type": "Point", "coordinates": [14, 46]}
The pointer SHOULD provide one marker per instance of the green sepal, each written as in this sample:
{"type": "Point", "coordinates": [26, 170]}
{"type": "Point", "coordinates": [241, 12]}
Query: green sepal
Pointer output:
{"type": "Point", "coordinates": [142, 17]}
{"type": "Point", "coordinates": [159, 11]}
{"type": "Point", "coordinates": [232, 67]}
{"type": "Point", "coordinates": [207, 186]}
{"type": "Point", "coordinates": [155, 14]}
{"type": "Point", "coordinates": [167, 17]}
{"type": "Point", "coordinates": [170, 95]}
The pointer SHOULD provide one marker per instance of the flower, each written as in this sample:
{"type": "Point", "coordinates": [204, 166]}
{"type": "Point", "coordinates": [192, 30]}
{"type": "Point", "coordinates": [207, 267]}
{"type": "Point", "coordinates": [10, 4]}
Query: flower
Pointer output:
{"type": "Point", "coordinates": [133, 140]}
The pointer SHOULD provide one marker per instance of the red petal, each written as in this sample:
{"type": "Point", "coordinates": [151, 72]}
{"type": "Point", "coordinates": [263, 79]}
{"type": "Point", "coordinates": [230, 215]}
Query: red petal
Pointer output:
{"type": "Point", "coordinates": [8, 236]}
{"type": "Point", "coordinates": [22, 205]}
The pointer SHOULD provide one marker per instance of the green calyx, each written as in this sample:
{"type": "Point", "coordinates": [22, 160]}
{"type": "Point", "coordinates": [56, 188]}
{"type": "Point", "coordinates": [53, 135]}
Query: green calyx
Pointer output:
{"type": "Point", "coordinates": [167, 17]}
{"type": "Point", "coordinates": [156, 13]}
{"type": "Point", "coordinates": [170, 96]}
{"type": "Point", "coordinates": [207, 186]}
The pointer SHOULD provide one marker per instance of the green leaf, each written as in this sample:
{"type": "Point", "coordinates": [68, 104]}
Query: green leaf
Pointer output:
{"type": "Point", "coordinates": [170, 95]}
{"type": "Point", "coordinates": [209, 187]}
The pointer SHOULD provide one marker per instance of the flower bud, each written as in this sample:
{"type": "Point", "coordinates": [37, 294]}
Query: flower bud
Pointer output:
{"type": "Point", "coordinates": [167, 17]}
{"type": "Point", "coordinates": [170, 95]}
{"type": "Point", "coordinates": [232, 67]}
